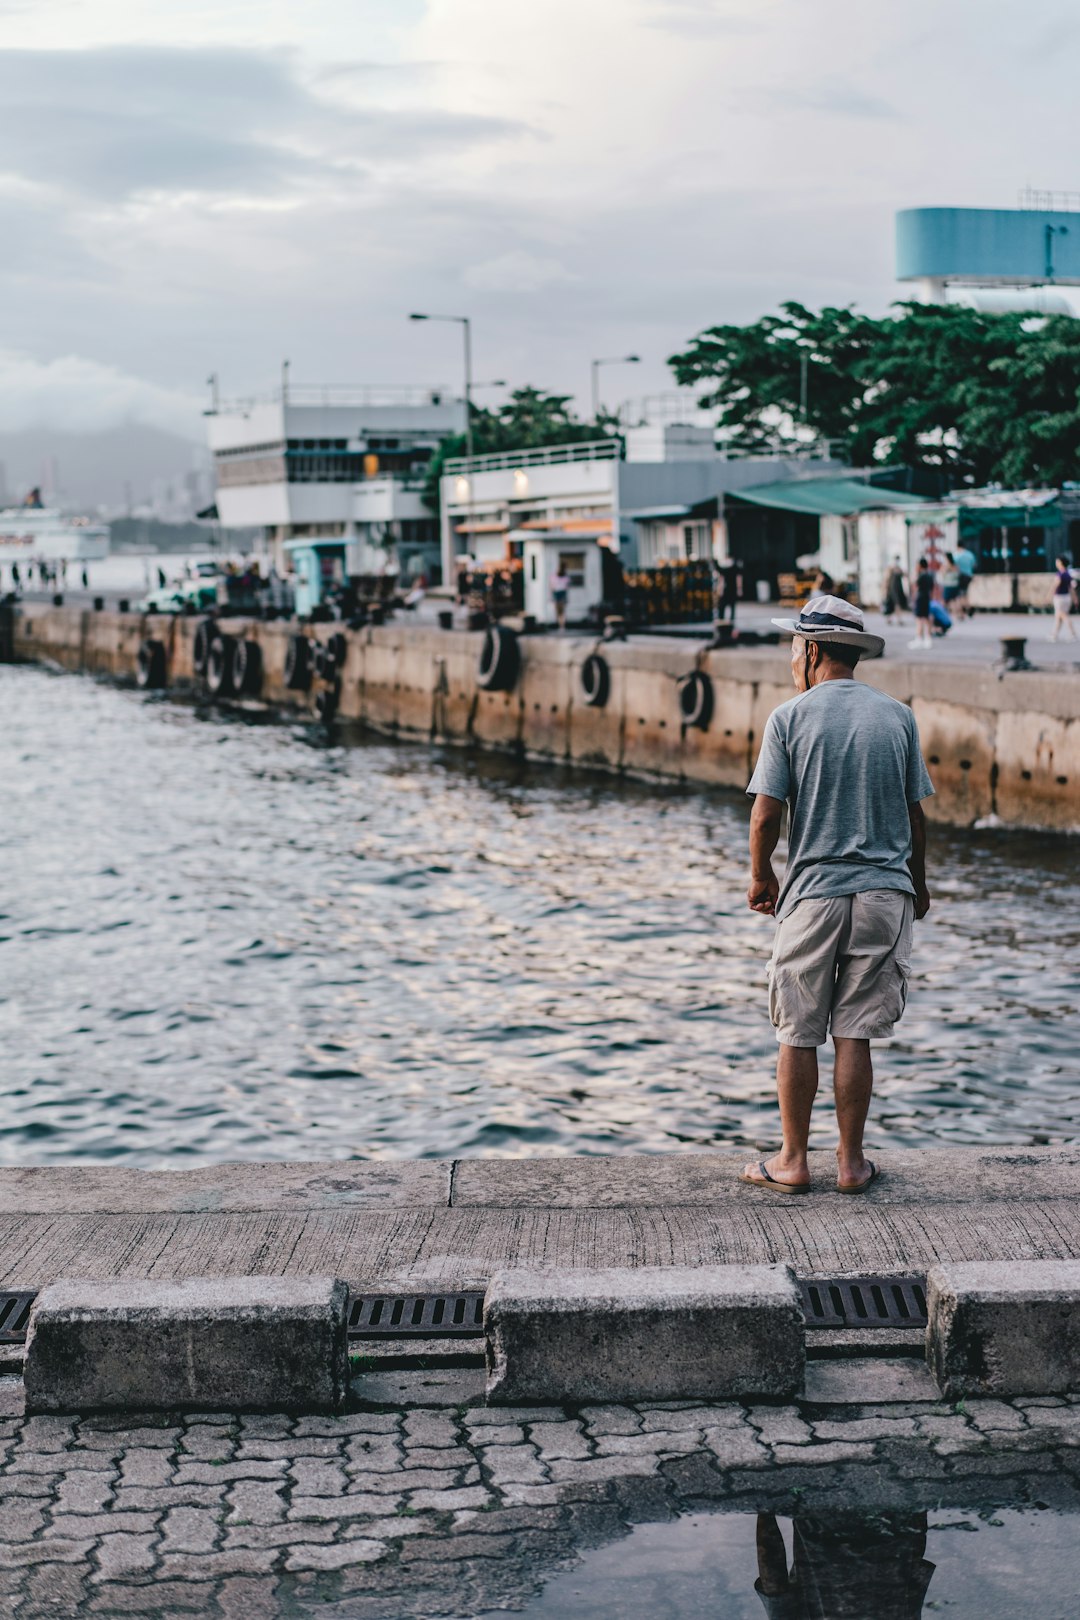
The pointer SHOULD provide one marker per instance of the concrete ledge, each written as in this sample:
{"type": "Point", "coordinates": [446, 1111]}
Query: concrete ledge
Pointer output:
{"type": "Point", "coordinates": [659, 1333]}
{"type": "Point", "coordinates": [1004, 1327]}
{"type": "Point", "coordinates": [237, 1343]}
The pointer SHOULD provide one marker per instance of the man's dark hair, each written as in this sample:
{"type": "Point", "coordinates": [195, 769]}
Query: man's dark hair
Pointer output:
{"type": "Point", "coordinates": [841, 652]}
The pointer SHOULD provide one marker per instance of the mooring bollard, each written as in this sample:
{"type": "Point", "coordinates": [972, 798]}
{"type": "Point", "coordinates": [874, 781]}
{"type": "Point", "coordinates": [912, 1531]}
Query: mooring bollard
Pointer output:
{"type": "Point", "coordinates": [1014, 654]}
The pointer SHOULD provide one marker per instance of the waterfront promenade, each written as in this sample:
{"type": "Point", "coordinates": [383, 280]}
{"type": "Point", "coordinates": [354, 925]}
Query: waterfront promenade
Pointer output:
{"type": "Point", "coordinates": [971, 641]}
{"type": "Point", "coordinates": [418, 1501]}
{"type": "Point", "coordinates": [453, 1223]}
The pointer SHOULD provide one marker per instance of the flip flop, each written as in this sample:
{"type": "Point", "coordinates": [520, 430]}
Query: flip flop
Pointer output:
{"type": "Point", "coordinates": [862, 1185]}
{"type": "Point", "coordinates": [765, 1180]}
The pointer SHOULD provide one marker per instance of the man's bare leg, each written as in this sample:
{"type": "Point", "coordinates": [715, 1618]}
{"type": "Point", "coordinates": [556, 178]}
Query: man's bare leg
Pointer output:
{"type": "Point", "coordinates": [853, 1083]}
{"type": "Point", "coordinates": [796, 1086]}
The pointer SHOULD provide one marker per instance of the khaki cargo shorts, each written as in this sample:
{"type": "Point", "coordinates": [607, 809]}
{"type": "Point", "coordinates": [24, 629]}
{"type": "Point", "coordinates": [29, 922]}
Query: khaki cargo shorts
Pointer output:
{"type": "Point", "coordinates": [842, 962]}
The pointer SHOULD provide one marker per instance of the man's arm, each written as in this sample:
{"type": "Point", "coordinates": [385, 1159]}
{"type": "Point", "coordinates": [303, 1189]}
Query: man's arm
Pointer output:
{"type": "Point", "coordinates": [917, 860]}
{"type": "Point", "coordinates": [765, 822]}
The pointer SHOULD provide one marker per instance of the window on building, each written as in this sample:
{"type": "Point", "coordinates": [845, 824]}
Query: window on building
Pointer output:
{"type": "Point", "coordinates": [572, 563]}
{"type": "Point", "coordinates": [697, 541]}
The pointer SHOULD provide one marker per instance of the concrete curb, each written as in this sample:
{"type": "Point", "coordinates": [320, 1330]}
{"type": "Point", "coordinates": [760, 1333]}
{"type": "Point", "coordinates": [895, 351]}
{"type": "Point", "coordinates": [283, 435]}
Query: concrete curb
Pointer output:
{"type": "Point", "coordinates": [243, 1344]}
{"type": "Point", "coordinates": [653, 1333]}
{"type": "Point", "coordinates": [1004, 1327]}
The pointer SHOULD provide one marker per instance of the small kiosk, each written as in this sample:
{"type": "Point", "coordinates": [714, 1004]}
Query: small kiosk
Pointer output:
{"type": "Point", "coordinates": [574, 555]}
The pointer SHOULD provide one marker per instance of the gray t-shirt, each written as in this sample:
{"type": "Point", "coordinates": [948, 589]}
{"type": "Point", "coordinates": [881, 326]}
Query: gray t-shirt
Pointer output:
{"type": "Point", "coordinates": [847, 760]}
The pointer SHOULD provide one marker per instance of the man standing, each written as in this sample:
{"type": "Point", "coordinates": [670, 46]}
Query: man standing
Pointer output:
{"type": "Point", "coordinates": [730, 586]}
{"type": "Point", "coordinates": [846, 760]}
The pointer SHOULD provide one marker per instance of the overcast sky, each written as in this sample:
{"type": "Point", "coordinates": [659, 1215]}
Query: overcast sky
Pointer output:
{"type": "Point", "coordinates": [191, 187]}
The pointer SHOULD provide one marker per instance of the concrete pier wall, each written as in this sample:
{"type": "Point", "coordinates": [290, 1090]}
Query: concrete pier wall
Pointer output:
{"type": "Point", "coordinates": [1005, 747]}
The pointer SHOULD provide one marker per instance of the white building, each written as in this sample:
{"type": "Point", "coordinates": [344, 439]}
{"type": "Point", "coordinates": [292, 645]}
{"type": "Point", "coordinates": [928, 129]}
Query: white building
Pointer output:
{"type": "Point", "coordinates": [558, 508]}
{"type": "Point", "coordinates": [334, 477]}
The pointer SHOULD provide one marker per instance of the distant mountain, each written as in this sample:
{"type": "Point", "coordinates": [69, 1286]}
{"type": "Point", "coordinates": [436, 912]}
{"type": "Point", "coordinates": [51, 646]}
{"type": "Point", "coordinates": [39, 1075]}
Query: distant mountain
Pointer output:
{"type": "Point", "coordinates": [95, 469]}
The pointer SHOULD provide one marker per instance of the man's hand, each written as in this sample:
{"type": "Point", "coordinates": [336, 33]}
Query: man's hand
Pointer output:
{"type": "Point", "coordinates": [763, 893]}
{"type": "Point", "coordinates": [922, 901]}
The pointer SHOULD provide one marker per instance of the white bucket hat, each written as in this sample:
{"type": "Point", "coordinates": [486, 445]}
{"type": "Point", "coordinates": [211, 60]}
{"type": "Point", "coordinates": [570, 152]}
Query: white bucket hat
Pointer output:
{"type": "Point", "coordinates": [830, 618]}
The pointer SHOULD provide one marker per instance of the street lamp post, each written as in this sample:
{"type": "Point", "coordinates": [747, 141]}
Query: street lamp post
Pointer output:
{"type": "Point", "coordinates": [464, 323]}
{"type": "Point", "coordinates": [618, 360]}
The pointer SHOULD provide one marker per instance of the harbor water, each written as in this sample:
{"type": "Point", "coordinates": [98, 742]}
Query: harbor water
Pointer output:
{"type": "Point", "coordinates": [224, 937]}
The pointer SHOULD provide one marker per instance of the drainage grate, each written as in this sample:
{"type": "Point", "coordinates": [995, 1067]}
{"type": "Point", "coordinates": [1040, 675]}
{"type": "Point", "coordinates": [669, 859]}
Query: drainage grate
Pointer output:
{"type": "Point", "coordinates": [423, 1316]}
{"type": "Point", "coordinates": [863, 1302]}
{"type": "Point", "coordinates": [14, 1315]}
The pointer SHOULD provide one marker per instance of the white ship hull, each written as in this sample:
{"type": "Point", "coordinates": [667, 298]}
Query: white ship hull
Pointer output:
{"type": "Point", "coordinates": [42, 534]}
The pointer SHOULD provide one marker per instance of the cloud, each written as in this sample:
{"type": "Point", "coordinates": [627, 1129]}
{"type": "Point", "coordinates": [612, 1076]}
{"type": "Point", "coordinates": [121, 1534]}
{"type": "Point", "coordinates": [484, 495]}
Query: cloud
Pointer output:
{"type": "Point", "coordinates": [76, 395]}
{"type": "Point", "coordinates": [700, 19]}
{"type": "Point", "coordinates": [835, 96]}
{"type": "Point", "coordinates": [518, 271]}
{"type": "Point", "coordinates": [109, 124]}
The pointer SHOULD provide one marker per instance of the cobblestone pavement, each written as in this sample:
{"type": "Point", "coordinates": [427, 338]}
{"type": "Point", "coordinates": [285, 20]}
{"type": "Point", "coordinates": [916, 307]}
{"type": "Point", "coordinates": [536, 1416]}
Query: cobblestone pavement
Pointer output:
{"type": "Point", "coordinates": [427, 1511]}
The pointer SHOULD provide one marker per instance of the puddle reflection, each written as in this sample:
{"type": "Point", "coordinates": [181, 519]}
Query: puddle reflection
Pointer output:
{"type": "Point", "coordinates": [829, 1566]}
{"type": "Point", "coordinates": [845, 1564]}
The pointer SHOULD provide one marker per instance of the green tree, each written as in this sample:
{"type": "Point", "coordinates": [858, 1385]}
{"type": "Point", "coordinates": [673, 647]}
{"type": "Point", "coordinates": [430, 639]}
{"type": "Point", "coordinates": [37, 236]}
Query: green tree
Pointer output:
{"type": "Point", "coordinates": [981, 397]}
{"type": "Point", "coordinates": [758, 376]}
{"type": "Point", "coordinates": [528, 420]}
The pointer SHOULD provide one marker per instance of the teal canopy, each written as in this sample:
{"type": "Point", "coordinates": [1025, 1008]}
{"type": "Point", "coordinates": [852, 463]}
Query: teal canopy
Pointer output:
{"type": "Point", "coordinates": [828, 497]}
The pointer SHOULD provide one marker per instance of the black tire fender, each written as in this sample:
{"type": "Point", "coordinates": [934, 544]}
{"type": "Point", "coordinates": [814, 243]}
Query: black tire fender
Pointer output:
{"type": "Point", "coordinates": [246, 668]}
{"type": "Point", "coordinates": [151, 668]}
{"type": "Point", "coordinates": [595, 681]}
{"type": "Point", "coordinates": [323, 660]}
{"type": "Point", "coordinates": [206, 633]}
{"type": "Point", "coordinates": [696, 700]}
{"type": "Point", "coordinates": [298, 664]}
{"type": "Point", "coordinates": [326, 702]}
{"type": "Point", "coordinates": [219, 667]}
{"type": "Point", "coordinates": [499, 664]}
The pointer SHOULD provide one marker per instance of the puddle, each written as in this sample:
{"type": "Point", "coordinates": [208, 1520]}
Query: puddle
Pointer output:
{"type": "Point", "coordinates": [990, 1564]}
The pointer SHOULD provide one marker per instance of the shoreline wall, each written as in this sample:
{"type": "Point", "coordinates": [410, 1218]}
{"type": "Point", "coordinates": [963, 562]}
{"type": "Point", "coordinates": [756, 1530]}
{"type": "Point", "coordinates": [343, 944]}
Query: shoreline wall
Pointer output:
{"type": "Point", "coordinates": [1000, 749]}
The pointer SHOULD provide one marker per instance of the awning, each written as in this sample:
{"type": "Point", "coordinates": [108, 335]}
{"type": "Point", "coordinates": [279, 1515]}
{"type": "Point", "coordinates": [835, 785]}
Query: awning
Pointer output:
{"type": "Point", "coordinates": [649, 514]}
{"type": "Point", "coordinates": [209, 514]}
{"type": "Point", "coordinates": [826, 497]}
{"type": "Point", "coordinates": [481, 526]}
{"type": "Point", "coordinates": [600, 524]}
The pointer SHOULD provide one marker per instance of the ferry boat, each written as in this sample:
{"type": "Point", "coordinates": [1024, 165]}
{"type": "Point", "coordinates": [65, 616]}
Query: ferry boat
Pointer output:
{"type": "Point", "coordinates": [40, 533]}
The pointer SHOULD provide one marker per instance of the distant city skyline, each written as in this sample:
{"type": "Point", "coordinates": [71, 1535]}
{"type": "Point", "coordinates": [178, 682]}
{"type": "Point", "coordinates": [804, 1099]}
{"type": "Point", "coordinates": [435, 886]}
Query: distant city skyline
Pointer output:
{"type": "Point", "coordinates": [190, 189]}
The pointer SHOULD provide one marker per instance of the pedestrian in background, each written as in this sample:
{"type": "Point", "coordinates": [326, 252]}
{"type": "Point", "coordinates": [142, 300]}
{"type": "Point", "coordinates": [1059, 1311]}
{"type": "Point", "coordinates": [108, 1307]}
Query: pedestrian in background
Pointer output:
{"type": "Point", "coordinates": [965, 561]}
{"type": "Point", "coordinates": [924, 595]}
{"type": "Point", "coordinates": [950, 581]}
{"type": "Point", "coordinates": [730, 586]}
{"type": "Point", "coordinates": [560, 591]}
{"type": "Point", "coordinates": [1063, 589]}
{"type": "Point", "coordinates": [895, 599]}
{"type": "Point", "coordinates": [845, 760]}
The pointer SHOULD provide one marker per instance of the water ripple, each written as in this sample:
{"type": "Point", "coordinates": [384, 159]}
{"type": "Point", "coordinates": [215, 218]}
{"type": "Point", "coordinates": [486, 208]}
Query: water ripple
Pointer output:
{"type": "Point", "coordinates": [232, 940]}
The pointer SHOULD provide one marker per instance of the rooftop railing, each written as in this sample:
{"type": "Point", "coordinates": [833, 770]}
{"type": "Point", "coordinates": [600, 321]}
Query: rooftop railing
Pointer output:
{"type": "Point", "coordinates": [1049, 202]}
{"type": "Point", "coordinates": [376, 394]}
{"type": "Point", "coordinates": [548, 456]}
{"type": "Point", "coordinates": [612, 450]}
